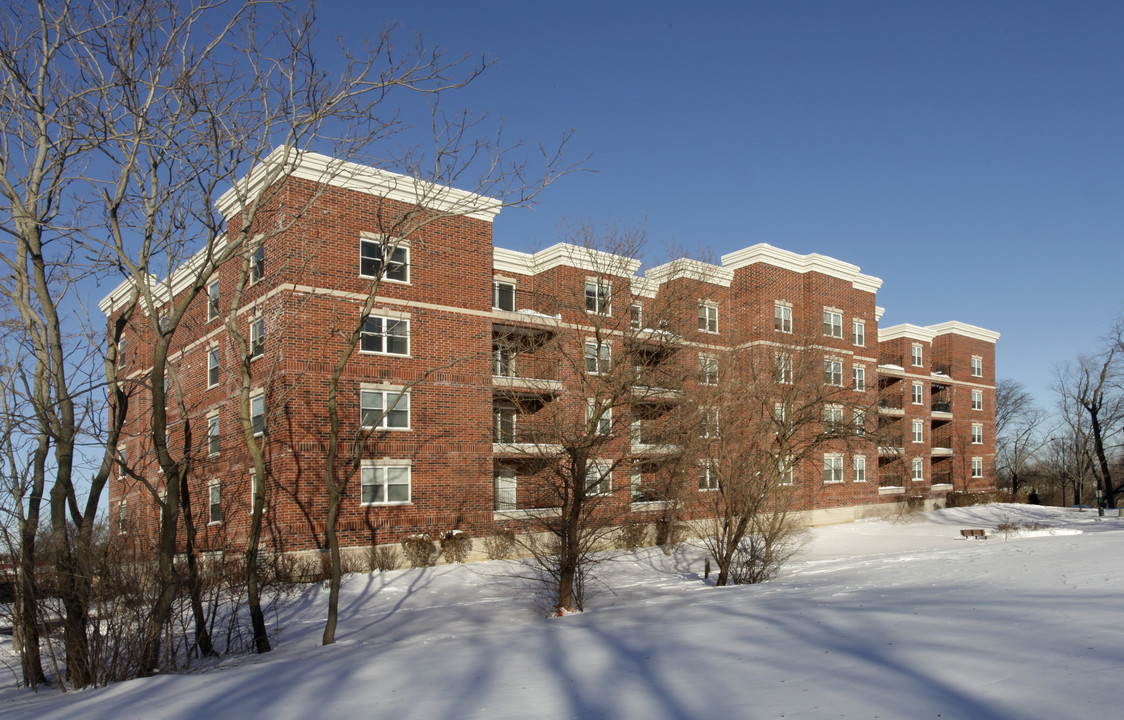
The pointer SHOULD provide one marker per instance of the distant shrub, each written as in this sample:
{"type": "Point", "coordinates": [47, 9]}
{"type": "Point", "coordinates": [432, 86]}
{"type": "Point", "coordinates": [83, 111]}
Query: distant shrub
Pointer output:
{"type": "Point", "coordinates": [455, 545]}
{"type": "Point", "coordinates": [384, 557]}
{"type": "Point", "coordinates": [499, 543]}
{"type": "Point", "coordinates": [419, 550]}
{"type": "Point", "coordinates": [979, 497]}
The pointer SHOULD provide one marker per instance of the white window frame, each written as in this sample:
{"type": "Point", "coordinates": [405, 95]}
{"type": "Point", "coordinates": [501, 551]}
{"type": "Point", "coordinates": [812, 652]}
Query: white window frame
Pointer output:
{"type": "Point", "coordinates": [782, 317]}
{"type": "Point", "coordinates": [214, 503]}
{"type": "Point", "coordinates": [832, 468]}
{"type": "Point", "coordinates": [710, 428]}
{"type": "Point", "coordinates": [598, 296]}
{"type": "Point", "coordinates": [257, 337]}
{"type": "Point", "coordinates": [123, 517]}
{"type": "Point", "coordinates": [212, 367]}
{"type": "Point", "coordinates": [636, 316]}
{"type": "Point", "coordinates": [265, 504]}
{"type": "Point", "coordinates": [858, 378]}
{"type": "Point", "coordinates": [372, 250]}
{"type": "Point", "coordinates": [499, 295]}
{"type": "Point", "coordinates": [214, 439]}
{"type": "Point", "coordinates": [505, 489]}
{"type": "Point", "coordinates": [386, 397]}
{"type": "Point", "coordinates": [598, 357]}
{"type": "Point", "coordinates": [917, 354]}
{"type": "Point", "coordinates": [977, 399]}
{"type": "Point", "coordinates": [858, 466]}
{"type": "Point", "coordinates": [122, 461]}
{"type": "Point", "coordinates": [636, 482]}
{"type": "Point", "coordinates": [375, 474]}
{"type": "Point", "coordinates": [782, 368]}
{"type": "Point", "coordinates": [212, 300]}
{"type": "Point", "coordinates": [708, 477]}
{"type": "Point", "coordinates": [708, 369]}
{"type": "Point", "coordinates": [505, 424]}
{"type": "Point", "coordinates": [832, 323]}
{"type": "Point", "coordinates": [858, 421]}
{"type": "Point", "coordinates": [917, 393]}
{"type": "Point", "coordinates": [833, 417]}
{"type": "Point", "coordinates": [977, 467]}
{"type": "Point", "coordinates": [786, 470]}
{"type": "Point", "coordinates": [858, 333]}
{"type": "Point", "coordinates": [977, 366]}
{"type": "Point", "coordinates": [257, 413]}
{"type": "Point", "coordinates": [918, 431]}
{"type": "Point", "coordinates": [604, 486]}
{"type": "Point", "coordinates": [833, 372]}
{"type": "Point", "coordinates": [708, 317]}
{"type": "Point", "coordinates": [388, 327]}
{"type": "Point", "coordinates": [977, 433]}
{"type": "Point", "coordinates": [604, 422]}
{"type": "Point", "coordinates": [917, 473]}
{"type": "Point", "coordinates": [257, 264]}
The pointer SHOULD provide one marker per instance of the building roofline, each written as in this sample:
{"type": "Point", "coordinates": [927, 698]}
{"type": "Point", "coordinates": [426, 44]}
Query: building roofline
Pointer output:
{"type": "Point", "coordinates": [814, 262]}
{"type": "Point", "coordinates": [928, 333]}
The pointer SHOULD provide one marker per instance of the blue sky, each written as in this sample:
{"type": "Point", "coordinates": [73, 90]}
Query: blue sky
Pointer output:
{"type": "Point", "coordinates": [967, 153]}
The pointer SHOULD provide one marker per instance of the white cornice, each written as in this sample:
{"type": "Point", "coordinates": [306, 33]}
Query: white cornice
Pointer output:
{"type": "Point", "coordinates": [907, 331]}
{"type": "Point", "coordinates": [693, 270]}
{"type": "Point", "coordinates": [583, 258]}
{"type": "Point", "coordinates": [512, 261]}
{"type": "Point", "coordinates": [318, 168]}
{"type": "Point", "coordinates": [953, 327]}
{"type": "Point", "coordinates": [879, 312]}
{"type": "Point", "coordinates": [814, 262]}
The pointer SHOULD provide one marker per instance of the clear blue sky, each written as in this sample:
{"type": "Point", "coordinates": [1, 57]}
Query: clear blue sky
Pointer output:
{"type": "Point", "coordinates": [967, 153]}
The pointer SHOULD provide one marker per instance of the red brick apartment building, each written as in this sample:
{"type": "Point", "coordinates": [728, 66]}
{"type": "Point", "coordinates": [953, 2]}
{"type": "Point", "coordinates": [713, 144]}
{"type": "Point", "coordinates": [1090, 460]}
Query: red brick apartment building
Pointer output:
{"type": "Point", "coordinates": [455, 343]}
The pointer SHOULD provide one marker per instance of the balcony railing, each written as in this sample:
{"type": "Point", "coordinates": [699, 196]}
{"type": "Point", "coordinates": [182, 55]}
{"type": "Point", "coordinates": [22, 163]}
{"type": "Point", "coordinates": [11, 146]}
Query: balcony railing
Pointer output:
{"type": "Point", "coordinates": [942, 407]}
{"type": "Point", "coordinates": [890, 402]}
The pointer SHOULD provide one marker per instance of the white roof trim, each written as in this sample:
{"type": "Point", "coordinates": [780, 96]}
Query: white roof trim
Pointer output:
{"type": "Point", "coordinates": [953, 327]}
{"type": "Point", "coordinates": [691, 269]}
{"type": "Point", "coordinates": [814, 262]}
{"type": "Point", "coordinates": [323, 169]}
{"type": "Point", "coordinates": [512, 261]}
{"type": "Point", "coordinates": [907, 331]}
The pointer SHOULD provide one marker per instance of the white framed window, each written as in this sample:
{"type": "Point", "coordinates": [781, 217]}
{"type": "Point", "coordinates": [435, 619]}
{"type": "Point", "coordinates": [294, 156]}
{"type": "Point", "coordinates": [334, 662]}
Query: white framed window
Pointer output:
{"type": "Point", "coordinates": [918, 431]}
{"type": "Point", "coordinates": [918, 470]}
{"type": "Point", "coordinates": [505, 486]}
{"type": "Point", "coordinates": [977, 366]}
{"type": "Point", "coordinates": [858, 421]}
{"type": "Point", "coordinates": [636, 430]}
{"type": "Point", "coordinates": [598, 357]}
{"type": "Point", "coordinates": [977, 433]}
{"type": "Point", "coordinates": [254, 492]}
{"type": "Point", "coordinates": [833, 418]}
{"type": "Point", "coordinates": [636, 316]}
{"type": "Point", "coordinates": [708, 369]}
{"type": "Point", "coordinates": [858, 332]}
{"type": "Point", "coordinates": [214, 503]}
{"type": "Point", "coordinates": [257, 264]}
{"type": "Point", "coordinates": [212, 300]}
{"type": "Point", "coordinates": [832, 468]}
{"type": "Point", "coordinates": [385, 484]}
{"type": "Point", "coordinates": [708, 317]}
{"type": "Point", "coordinates": [504, 420]}
{"type": "Point", "coordinates": [122, 461]}
{"type": "Point", "coordinates": [709, 426]}
{"type": "Point", "coordinates": [257, 337]}
{"type": "Point", "coordinates": [977, 467]}
{"type": "Point", "coordinates": [637, 482]}
{"type": "Point", "coordinates": [257, 413]}
{"type": "Point", "coordinates": [504, 362]}
{"type": "Point", "coordinates": [123, 517]}
{"type": "Point", "coordinates": [708, 476]}
{"type": "Point", "coordinates": [785, 471]}
{"type": "Point", "coordinates": [396, 268]}
{"type": "Point", "coordinates": [918, 392]}
{"type": "Point", "coordinates": [503, 296]}
{"type": "Point", "coordinates": [858, 376]}
{"type": "Point", "coordinates": [916, 355]}
{"type": "Point", "coordinates": [977, 399]}
{"type": "Point", "coordinates": [598, 419]}
{"type": "Point", "coordinates": [782, 368]}
{"type": "Point", "coordinates": [833, 372]}
{"type": "Point", "coordinates": [858, 464]}
{"type": "Point", "coordinates": [213, 435]}
{"type": "Point", "coordinates": [599, 478]}
{"type": "Point", "coordinates": [782, 317]}
{"type": "Point", "coordinates": [385, 409]}
{"type": "Point", "coordinates": [832, 323]}
{"type": "Point", "coordinates": [212, 367]}
{"type": "Point", "coordinates": [598, 295]}
{"type": "Point", "coordinates": [385, 335]}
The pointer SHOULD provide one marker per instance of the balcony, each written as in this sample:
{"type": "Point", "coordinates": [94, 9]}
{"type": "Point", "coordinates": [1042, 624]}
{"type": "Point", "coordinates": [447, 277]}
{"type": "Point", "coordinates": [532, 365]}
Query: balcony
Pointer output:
{"type": "Point", "coordinates": [890, 444]}
{"type": "Point", "coordinates": [527, 313]}
{"type": "Point", "coordinates": [510, 439]}
{"type": "Point", "coordinates": [523, 374]}
{"type": "Point", "coordinates": [942, 447]}
{"type": "Point", "coordinates": [891, 404]}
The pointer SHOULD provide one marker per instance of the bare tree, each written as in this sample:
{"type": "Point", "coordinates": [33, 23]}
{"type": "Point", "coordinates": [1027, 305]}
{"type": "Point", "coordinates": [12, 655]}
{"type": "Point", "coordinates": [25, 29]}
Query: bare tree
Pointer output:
{"type": "Point", "coordinates": [1018, 423]}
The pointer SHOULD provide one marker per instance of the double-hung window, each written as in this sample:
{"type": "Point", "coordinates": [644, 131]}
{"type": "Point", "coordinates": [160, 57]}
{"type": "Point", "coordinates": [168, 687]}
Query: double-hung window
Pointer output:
{"type": "Point", "coordinates": [977, 433]}
{"type": "Point", "coordinates": [708, 317]}
{"type": "Point", "coordinates": [599, 419]}
{"type": "Point", "coordinates": [832, 468]}
{"type": "Point", "coordinates": [918, 393]}
{"type": "Point", "coordinates": [213, 367]}
{"type": "Point", "coordinates": [833, 418]}
{"type": "Point", "coordinates": [597, 297]}
{"type": "Point", "coordinates": [708, 369]}
{"type": "Point", "coordinates": [860, 468]}
{"type": "Point", "coordinates": [916, 355]}
{"type": "Point", "coordinates": [977, 467]}
{"type": "Point", "coordinates": [833, 372]}
{"type": "Point", "coordinates": [636, 316]}
{"type": "Point", "coordinates": [385, 484]}
{"type": "Point", "coordinates": [214, 503]}
{"type": "Point", "coordinates": [977, 366]}
{"type": "Point", "coordinates": [503, 424]}
{"type": "Point", "coordinates": [708, 476]}
{"type": "Point", "coordinates": [833, 323]}
{"type": "Point", "coordinates": [257, 264]}
{"type": "Point", "coordinates": [598, 357]}
{"type": "Point", "coordinates": [782, 317]}
{"type": "Point", "coordinates": [599, 478]}
{"type": "Point", "coordinates": [858, 332]}
{"type": "Point", "coordinates": [503, 296]}
{"type": "Point", "coordinates": [977, 399]}
{"type": "Point", "coordinates": [213, 435]}
{"type": "Point", "coordinates": [918, 470]}
{"type": "Point", "coordinates": [782, 368]}
{"type": "Point", "coordinates": [257, 337]}
{"type": "Point", "coordinates": [257, 413]}
{"type": "Point", "coordinates": [384, 409]}
{"type": "Point", "coordinates": [918, 431]}
{"type": "Point", "coordinates": [385, 335]}
{"type": "Point", "coordinates": [213, 300]}
{"type": "Point", "coordinates": [858, 374]}
{"type": "Point", "coordinates": [385, 259]}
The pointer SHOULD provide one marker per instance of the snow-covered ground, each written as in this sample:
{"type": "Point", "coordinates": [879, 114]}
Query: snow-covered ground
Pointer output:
{"type": "Point", "coordinates": [874, 620]}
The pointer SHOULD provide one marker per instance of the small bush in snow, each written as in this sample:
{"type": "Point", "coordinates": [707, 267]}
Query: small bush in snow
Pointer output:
{"type": "Point", "coordinates": [419, 550]}
{"type": "Point", "coordinates": [966, 499]}
{"type": "Point", "coordinates": [499, 543]}
{"type": "Point", "coordinates": [633, 536]}
{"type": "Point", "coordinates": [455, 545]}
{"type": "Point", "coordinates": [384, 557]}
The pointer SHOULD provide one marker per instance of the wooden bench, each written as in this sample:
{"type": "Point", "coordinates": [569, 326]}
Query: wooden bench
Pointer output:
{"type": "Point", "coordinates": [977, 533]}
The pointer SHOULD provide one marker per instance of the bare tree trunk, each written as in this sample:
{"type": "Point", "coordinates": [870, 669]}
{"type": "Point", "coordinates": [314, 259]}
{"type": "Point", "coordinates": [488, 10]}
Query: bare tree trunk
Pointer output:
{"type": "Point", "coordinates": [194, 584]}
